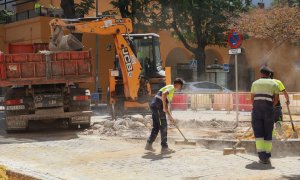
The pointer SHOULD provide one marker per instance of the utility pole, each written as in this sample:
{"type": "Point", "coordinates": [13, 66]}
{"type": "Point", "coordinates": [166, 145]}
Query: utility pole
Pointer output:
{"type": "Point", "coordinates": [97, 59]}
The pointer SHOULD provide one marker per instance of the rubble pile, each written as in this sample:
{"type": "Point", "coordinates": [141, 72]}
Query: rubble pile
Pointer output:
{"type": "Point", "coordinates": [213, 123]}
{"type": "Point", "coordinates": [129, 126]}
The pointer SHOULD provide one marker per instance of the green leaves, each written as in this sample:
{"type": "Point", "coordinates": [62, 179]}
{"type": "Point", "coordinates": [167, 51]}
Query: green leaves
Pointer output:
{"type": "Point", "coordinates": [84, 7]}
{"type": "Point", "coordinates": [4, 14]}
{"type": "Point", "coordinates": [200, 22]}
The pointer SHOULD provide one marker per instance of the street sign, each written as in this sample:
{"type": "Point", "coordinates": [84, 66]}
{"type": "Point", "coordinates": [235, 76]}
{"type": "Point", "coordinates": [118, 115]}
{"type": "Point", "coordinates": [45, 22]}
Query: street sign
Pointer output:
{"type": "Point", "coordinates": [235, 51]}
{"type": "Point", "coordinates": [226, 67]}
{"type": "Point", "coordinates": [95, 96]}
{"type": "Point", "coordinates": [193, 64]}
{"type": "Point", "coordinates": [234, 39]}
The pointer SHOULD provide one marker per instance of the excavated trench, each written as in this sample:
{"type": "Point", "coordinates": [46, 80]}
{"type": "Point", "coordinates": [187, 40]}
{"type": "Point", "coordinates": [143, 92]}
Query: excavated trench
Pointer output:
{"type": "Point", "coordinates": [212, 134]}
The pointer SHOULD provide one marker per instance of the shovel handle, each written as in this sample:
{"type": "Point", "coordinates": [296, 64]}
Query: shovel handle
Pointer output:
{"type": "Point", "coordinates": [288, 107]}
{"type": "Point", "coordinates": [169, 114]}
{"type": "Point", "coordinates": [243, 135]}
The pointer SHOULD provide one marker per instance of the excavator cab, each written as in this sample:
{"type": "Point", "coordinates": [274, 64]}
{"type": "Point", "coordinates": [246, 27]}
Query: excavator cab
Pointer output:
{"type": "Point", "coordinates": [147, 49]}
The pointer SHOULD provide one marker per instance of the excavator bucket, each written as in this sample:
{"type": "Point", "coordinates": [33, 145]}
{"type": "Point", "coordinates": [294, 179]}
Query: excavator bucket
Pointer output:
{"type": "Point", "coordinates": [66, 43]}
{"type": "Point", "coordinates": [61, 42]}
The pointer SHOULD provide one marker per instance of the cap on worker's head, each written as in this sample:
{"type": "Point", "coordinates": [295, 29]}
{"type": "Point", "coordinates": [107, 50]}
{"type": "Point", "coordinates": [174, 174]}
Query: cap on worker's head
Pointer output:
{"type": "Point", "coordinates": [178, 81]}
{"type": "Point", "coordinates": [265, 70]}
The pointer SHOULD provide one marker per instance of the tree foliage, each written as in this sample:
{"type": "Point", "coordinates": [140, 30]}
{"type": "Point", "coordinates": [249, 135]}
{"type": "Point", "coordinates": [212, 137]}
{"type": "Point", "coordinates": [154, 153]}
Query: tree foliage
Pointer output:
{"type": "Point", "coordinates": [290, 3]}
{"type": "Point", "coordinates": [196, 23]}
{"type": "Point", "coordinates": [73, 10]}
{"type": "Point", "coordinates": [138, 10]}
{"type": "Point", "coordinates": [4, 14]}
{"type": "Point", "coordinates": [84, 7]}
{"type": "Point", "coordinates": [279, 23]}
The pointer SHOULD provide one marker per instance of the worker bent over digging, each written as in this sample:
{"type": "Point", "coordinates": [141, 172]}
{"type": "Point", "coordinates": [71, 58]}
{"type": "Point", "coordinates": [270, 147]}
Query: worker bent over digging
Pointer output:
{"type": "Point", "coordinates": [159, 107]}
{"type": "Point", "coordinates": [265, 95]}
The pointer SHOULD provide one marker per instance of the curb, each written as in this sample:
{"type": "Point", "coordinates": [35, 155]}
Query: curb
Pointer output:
{"type": "Point", "coordinates": [290, 147]}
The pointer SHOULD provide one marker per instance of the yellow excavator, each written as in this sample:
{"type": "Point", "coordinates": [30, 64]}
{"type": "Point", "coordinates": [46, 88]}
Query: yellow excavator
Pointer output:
{"type": "Point", "coordinates": [138, 73]}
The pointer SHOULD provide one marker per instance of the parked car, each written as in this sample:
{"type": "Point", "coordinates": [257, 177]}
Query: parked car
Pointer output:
{"type": "Point", "coordinates": [203, 86]}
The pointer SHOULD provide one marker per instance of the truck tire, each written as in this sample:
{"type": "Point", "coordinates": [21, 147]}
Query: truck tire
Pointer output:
{"type": "Point", "coordinates": [85, 126]}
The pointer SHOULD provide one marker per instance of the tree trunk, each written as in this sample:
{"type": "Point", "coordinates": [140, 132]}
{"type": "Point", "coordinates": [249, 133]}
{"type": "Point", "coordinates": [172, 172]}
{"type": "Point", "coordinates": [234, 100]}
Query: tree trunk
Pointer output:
{"type": "Point", "coordinates": [68, 7]}
{"type": "Point", "coordinates": [200, 57]}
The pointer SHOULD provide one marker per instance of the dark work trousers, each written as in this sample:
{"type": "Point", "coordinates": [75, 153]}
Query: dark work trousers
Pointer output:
{"type": "Point", "coordinates": [277, 113]}
{"type": "Point", "coordinates": [159, 124]}
{"type": "Point", "coordinates": [262, 124]}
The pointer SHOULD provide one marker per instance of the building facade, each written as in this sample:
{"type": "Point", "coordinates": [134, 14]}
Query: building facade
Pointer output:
{"type": "Point", "coordinates": [285, 60]}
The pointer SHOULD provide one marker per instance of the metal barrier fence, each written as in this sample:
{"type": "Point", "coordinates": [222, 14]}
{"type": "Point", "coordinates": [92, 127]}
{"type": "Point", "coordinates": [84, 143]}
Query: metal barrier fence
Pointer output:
{"type": "Point", "coordinates": [1, 103]}
{"type": "Point", "coordinates": [227, 102]}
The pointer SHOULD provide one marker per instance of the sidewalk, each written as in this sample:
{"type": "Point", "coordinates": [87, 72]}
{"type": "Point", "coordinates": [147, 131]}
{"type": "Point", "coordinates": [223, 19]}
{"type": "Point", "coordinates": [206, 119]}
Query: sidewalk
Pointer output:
{"type": "Point", "coordinates": [92, 157]}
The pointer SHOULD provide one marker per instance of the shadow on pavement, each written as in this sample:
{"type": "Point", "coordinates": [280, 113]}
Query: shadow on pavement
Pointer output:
{"type": "Point", "coordinates": [155, 157]}
{"type": "Point", "coordinates": [44, 133]}
{"type": "Point", "coordinates": [259, 166]}
{"type": "Point", "coordinates": [291, 177]}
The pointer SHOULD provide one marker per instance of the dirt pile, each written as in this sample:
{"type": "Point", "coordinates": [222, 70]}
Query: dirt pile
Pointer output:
{"type": "Point", "coordinates": [287, 129]}
{"type": "Point", "coordinates": [213, 123]}
{"type": "Point", "coordinates": [128, 126]}
{"type": "Point", "coordinates": [3, 175]}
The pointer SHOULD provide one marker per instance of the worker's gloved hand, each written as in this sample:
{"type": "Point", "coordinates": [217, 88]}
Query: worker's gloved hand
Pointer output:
{"type": "Point", "coordinates": [287, 102]}
{"type": "Point", "coordinates": [165, 110]}
{"type": "Point", "coordinates": [278, 124]}
{"type": "Point", "coordinates": [172, 120]}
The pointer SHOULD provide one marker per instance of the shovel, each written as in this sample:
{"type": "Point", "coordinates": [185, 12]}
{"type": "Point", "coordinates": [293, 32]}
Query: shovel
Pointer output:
{"type": "Point", "coordinates": [234, 149]}
{"type": "Point", "coordinates": [294, 134]}
{"type": "Point", "coordinates": [185, 141]}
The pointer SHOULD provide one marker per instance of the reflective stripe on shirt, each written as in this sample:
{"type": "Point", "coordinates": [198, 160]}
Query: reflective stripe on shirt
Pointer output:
{"type": "Point", "coordinates": [263, 98]}
{"type": "Point", "coordinates": [264, 89]}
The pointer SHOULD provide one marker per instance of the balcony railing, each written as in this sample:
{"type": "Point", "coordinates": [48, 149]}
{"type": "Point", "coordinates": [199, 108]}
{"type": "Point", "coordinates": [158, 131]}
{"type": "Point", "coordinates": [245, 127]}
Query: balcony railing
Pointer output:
{"type": "Point", "coordinates": [35, 13]}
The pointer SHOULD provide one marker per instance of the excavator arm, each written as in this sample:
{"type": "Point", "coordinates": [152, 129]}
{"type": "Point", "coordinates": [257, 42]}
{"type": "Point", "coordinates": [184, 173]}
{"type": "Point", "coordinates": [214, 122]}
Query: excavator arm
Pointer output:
{"type": "Point", "coordinates": [129, 64]}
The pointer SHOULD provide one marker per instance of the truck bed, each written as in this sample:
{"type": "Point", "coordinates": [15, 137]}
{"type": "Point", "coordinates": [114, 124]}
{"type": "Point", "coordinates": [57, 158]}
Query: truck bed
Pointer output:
{"type": "Point", "coordinates": [45, 68]}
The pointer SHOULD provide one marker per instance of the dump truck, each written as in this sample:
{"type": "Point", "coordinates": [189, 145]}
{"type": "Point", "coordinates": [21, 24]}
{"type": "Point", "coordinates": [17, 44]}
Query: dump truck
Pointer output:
{"type": "Point", "coordinates": [44, 87]}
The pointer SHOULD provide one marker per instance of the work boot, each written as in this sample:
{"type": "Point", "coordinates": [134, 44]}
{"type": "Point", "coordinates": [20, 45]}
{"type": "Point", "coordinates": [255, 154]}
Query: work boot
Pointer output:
{"type": "Point", "coordinates": [265, 161]}
{"type": "Point", "coordinates": [149, 147]}
{"type": "Point", "coordinates": [167, 150]}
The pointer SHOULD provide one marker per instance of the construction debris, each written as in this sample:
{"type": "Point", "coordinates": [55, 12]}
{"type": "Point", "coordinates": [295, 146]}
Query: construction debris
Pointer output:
{"type": "Point", "coordinates": [133, 126]}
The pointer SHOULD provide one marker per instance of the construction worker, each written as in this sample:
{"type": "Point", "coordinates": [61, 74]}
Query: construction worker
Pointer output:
{"type": "Point", "coordinates": [159, 107]}
{"type": "Point", "coordinates": [264, 95]}
{"type": "Point", "coordinates": [37, 7]}
{"type": "Point", "coordinates": [278, 108]}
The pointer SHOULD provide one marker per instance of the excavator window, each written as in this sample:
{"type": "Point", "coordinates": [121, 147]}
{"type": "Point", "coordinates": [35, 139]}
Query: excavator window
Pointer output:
{"type": "Point", "coordinates": [147, 50]}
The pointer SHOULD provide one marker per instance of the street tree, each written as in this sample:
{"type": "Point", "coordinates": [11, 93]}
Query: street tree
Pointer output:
{"type": "Point", "coordinates": [138, 11]}
{"type": "Point", "coordinates": [196, 23]}
{"type": "Point", "coordinates": [76, 10]}
{"type": "Point", "coordinates": [279, 24]}
{"type": "Point", "coordinates": [290, 3]}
